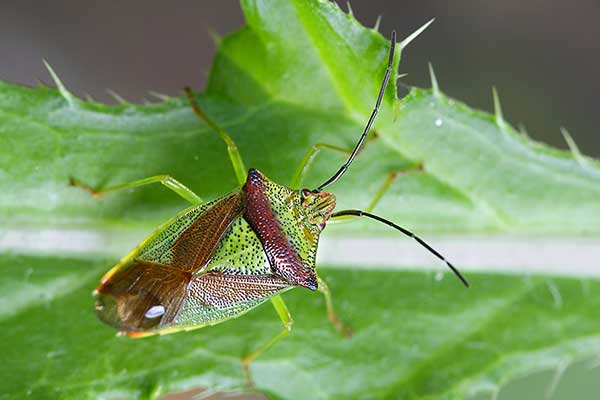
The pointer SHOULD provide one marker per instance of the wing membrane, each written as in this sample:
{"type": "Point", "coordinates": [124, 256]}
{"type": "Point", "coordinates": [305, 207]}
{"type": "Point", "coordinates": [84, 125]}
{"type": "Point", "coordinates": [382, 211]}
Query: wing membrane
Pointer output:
{"type": "Point", "coordinates": [215, 296]}
{"type": "Point", "coordinates": [125, 301]}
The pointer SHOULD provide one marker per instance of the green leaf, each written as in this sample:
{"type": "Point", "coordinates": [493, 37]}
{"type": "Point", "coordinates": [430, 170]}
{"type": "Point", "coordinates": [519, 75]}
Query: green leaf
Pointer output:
{"type": "Point", "coordinates": [300, 73]}
{"type": "Point", "coordinates": [415, 337]}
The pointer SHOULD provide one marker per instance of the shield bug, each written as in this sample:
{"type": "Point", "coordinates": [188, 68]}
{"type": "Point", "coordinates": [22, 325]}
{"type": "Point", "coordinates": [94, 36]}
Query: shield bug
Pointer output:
{"type": "Point", "coordinates": [217, 260]}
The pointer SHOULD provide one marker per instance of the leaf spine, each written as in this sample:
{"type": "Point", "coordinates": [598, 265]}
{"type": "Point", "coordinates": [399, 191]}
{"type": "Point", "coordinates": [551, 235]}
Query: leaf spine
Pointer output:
{"type": "Point", "coordinates": [215, 36]}
{"type": "Point", "coordinates": [413, 35]}
{"type": "Point", "coordinates": [350, 12]}
{"type": "Point", "coordinates": [498, 109]}
{"type": "Point", "coordinates": [62, 89]}
{"type": "Point", "coordinates": [577, 156]}
{"type": "Point", "coordinates": [377, 23]}
{"type": "Point", "coordinates": [160, 96]}
{"type": "Point", "coordinates": [116, 96]}
{"type": "Point", "coordinates": [434, 83]}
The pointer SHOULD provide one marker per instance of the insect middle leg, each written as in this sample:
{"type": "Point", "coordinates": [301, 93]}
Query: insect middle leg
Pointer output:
{"type": "Point", "coordinates": [288, 322]}
{"type": "Point", "coordinates": [234, 153]}
{"type": "Point", "coordinates": [166, 180]}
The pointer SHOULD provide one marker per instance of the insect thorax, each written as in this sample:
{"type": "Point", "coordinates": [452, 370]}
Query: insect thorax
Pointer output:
{"type": "Point", "coordinates": [288, 223]}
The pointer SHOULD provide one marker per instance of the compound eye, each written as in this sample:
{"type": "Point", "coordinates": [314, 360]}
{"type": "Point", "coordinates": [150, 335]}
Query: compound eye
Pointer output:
{"type": "Point", "coordinates": [306, 192]}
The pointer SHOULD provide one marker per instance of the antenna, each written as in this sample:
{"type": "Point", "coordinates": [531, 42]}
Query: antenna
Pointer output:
{"type": "Point", "coordinates": [359, 213]}
{"type": "Point", "coordinates": [358, 146]}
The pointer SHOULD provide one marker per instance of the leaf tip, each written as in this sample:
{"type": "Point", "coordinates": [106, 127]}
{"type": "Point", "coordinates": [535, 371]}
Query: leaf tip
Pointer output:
{"type": "Point", "coordinates": [413, 35]}
{"type": "Point", "coordinates": [577, 156]}
{"type": "Point", "coordinates": [434, 82]}
{"type": "Point", "coordinates": [62, 89]}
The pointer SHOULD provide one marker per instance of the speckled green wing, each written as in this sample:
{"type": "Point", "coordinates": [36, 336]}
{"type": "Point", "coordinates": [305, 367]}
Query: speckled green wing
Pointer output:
{"type": "Point", "coordinates": [204, 266]}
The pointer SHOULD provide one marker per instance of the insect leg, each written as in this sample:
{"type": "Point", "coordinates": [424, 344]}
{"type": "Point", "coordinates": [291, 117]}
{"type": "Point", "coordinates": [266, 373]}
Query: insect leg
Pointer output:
{"type": "Point", "coordinates": [311, 154]}
{"type": "Point", "coordinates": [165, 180]}
{"type": "Point", "coordinates": [234, 154]}
{"type": "Point", "coordinates": [388, 182]}
{"type": "Point", "coordinates": [288, 322]}
{"type": "Point", "coordinates": [308, 159]}
{"type": "Point", "coordinates": [331, 315]}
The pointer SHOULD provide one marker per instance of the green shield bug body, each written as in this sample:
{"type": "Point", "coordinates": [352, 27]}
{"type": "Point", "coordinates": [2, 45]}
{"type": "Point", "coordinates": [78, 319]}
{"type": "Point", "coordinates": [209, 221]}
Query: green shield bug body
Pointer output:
{"type": "Point", "coordinates": [217, 260]}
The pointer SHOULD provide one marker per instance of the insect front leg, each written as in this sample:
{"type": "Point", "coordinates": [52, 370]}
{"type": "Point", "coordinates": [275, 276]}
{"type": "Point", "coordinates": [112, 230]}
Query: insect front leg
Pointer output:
{"type": "Point", "coordinates": [288, 322]}
{"type": "Point", "coordinates": [391, 177]}
{"type": "Point", "coordinates": [331, 314]}
{"type": "Point", "coordinates": [234, 153]}
{"type": "Point", "coordinates": [166, 180]}
{"type": "Point", "coordinates": [308, 159]}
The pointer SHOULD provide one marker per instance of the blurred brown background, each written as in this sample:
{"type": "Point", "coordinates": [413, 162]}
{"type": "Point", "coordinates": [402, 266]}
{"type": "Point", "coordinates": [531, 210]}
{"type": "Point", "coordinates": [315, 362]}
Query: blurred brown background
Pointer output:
{"type": "Point", "coordinates": [543, 56]}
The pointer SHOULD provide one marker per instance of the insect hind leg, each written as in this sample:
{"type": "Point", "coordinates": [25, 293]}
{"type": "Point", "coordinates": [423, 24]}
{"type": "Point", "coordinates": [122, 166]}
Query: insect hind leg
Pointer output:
{"type": "Point", "coordinates": [234, 153]}
{"type": "Point", "coordinates": [288, 322]}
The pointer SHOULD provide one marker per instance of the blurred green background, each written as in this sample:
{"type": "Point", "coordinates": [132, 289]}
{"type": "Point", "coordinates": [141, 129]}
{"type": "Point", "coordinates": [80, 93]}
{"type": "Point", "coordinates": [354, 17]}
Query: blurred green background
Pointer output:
{"type": "Point", "coordinates": [543, 56]}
